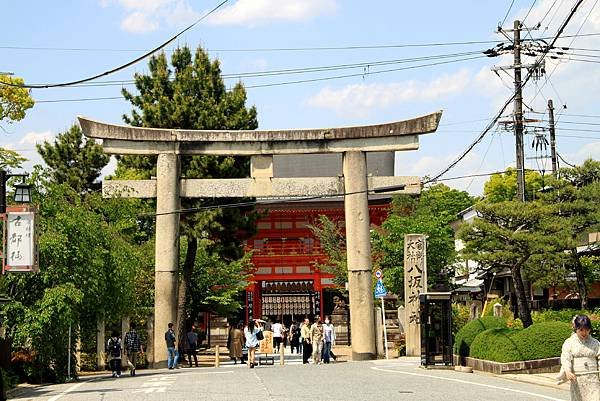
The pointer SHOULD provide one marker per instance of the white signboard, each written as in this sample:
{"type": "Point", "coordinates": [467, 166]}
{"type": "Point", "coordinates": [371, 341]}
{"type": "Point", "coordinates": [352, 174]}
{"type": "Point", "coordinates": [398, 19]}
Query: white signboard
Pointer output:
{"type": "Point", "coordinates": [20, 248]}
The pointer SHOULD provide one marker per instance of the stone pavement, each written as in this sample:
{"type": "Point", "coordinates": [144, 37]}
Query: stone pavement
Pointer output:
{"type": "Point", "coordinates": [394, 379]}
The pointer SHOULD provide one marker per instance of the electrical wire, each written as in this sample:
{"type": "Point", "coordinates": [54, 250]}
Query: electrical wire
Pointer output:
{"type": "Point", "coordinates": [121, 67]}
{"type": "Point", "coordinates": [266, 49]}
{"type": "Point", "coordinates": [300, 70]}
{"type": "Point", "coordinates": [507, 12]}
{"type": "Point", "coordinates": [564, 161]}
{"type": "Point", "coordinates": [362, 74]}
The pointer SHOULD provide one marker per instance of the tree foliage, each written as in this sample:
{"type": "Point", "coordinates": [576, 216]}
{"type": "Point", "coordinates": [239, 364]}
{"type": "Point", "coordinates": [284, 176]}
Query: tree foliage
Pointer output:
{"type": "Point", "coordinates": [430, 214]}
{"type": "Point", "coordinates": [14, 100]}
{"type": "Point", "coordinates": [507, 235]}
{"type": "Point", "coordinates": [74, 160]}
{"type": "Point", "coordinates": [190, 94]}
{"type": "Point", "coordinates": [575, 197]}
{"type": "Point", "coordinates": [86, 243]}
{"type": "Point", "coordinates": [503, 187]}
{"type": "Point", "coordinates": [330, 234]}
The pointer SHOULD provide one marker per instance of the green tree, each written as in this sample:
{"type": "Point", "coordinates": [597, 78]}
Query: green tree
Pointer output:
{"type": "Point", "coordinates": [429, 214]}
{"type": "Point", "coordinates": [576, 200]}
{"type": "Point", "coordinates": [191, 94]}
{"type": "Point", "coordinates": [503, 187]}
{"type": "Point", "coordinates": [217, 282]}
{"type": "Point", "coordinates": [74, 160]}
{"type": "Point", "coordinates": [10, 159]}
{"type": "Point", "coordinates": [507, 235]}
{"type": "Point", "coordinates": [331, 237]}
{"type": "Point", "coordinates": [14, 100]}
{"type": "Point", "coordinates": [84, 241]}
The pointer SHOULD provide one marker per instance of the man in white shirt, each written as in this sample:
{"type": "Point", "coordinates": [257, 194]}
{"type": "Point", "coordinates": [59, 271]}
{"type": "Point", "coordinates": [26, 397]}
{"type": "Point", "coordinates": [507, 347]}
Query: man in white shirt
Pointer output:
{"type": "Point", "coordinates": [277, 335]}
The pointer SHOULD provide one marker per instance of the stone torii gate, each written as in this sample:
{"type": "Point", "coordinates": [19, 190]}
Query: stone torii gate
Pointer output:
{"type": "Point", "coordinates": [261, 145]}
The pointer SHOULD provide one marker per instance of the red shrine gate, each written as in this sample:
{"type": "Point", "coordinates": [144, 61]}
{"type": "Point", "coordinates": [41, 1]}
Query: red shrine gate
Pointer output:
{"type": "Point", "coordinates": [286, 283]}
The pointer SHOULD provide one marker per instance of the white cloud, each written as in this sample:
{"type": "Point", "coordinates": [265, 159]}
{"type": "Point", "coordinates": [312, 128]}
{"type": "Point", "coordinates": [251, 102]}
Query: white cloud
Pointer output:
{"type": "Point", "coordinates": [362, 99]}
{"type": "Point", "coordinates": [142, 16]}
{"type": "Point", "coordinates": [139, 22]}
{"type": "Point", "coordinates": [587, 151]}
{"type": "Point", "coordinates": [33, 138]}
{"type": "Point", "coordinates": [256, 12]}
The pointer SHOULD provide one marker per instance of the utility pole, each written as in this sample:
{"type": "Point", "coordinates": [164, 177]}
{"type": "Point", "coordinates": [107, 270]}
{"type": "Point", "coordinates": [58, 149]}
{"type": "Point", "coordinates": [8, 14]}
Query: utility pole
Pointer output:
{"type": "Point", "coordinates": [518, 111]}
{"type": "Point", "coordinates": [552, 138]}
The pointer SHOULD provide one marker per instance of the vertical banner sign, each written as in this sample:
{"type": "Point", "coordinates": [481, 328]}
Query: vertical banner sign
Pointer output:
{"type": "Point", "coordinates": [415, 282]}
{"type": "Point", "coordinates": [250, 304]}
{"type": "Point", "coordinates": [20, 242]}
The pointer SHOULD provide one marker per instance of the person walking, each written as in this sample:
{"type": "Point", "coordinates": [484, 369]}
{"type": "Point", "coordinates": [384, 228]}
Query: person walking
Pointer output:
{"type": "Point", "coordinates": [277, 335]}
{"type": "Point", "coordinates": [236, 343]}
{"type": "Point", "coordinates": [316, 339]}
{"type": "Point", "coordinates": [133, 346]}
{"type": "Point", "coordinates": [172, 354]}
{"type": "Point", "coordinates": [115, 349]}
{"type": "Point", "coordinates": [579, 359]}
{"type": "Point", "coordinates": [192, 345]}
{"type": "Point", "coordinates": [306, 346]}
{"type": "Point", "coordinates": [251, 335]}
{"type": "Point", "coordinates": [328, 340]}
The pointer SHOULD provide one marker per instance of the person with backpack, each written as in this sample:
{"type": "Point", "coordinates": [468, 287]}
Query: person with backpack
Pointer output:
{"type": "Point", "coordinates": [133, 346]}
{"type": "Point", "coordinates": [114, 349]}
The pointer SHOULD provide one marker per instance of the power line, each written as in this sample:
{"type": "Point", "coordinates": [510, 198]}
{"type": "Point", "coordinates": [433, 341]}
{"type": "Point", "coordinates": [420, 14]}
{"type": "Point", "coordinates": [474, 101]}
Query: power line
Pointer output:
{"type": "Point", "coordinates": [362, 74]}
{"type": "Point", "coordinates": [507, 12]}
{"type": "Point", "coordinates": [143, 56]}
{"type": "Point", "coordinates": [564, 161]}
{"type": "Point", "coordinates": [299, 70]}
{"type": "Point", "coordinates": [264, 49]}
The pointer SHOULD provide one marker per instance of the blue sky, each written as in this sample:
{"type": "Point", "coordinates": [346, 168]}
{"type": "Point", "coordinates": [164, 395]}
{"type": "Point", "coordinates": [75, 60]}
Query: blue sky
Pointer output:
{"type": "Point", "coordinates": [51, 42]}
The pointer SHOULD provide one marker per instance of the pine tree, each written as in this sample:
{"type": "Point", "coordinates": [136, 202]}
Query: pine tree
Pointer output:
{"type": "Point", "coordinates": [191, 94]}
{"type": "Point", "coordinates": [74, 160]}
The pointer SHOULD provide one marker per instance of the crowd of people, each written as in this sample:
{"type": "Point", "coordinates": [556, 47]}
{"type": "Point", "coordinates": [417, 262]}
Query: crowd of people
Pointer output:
{"type": "Point", "coordinates": [580, 352]}
{"type": "Point", "coordinates": [314, 341]}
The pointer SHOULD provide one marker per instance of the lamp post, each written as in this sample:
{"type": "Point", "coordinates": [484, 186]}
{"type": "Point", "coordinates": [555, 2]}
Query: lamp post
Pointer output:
{"type": "Point", "coordinates": [22, 189]}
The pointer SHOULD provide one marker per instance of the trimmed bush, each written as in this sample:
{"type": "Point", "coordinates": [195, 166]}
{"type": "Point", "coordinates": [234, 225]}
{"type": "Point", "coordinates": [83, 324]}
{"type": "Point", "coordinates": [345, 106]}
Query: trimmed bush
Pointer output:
{"type": "Point", "coordinates": [496, 345]}
{"type": "Point", "coordinates": [539, 341]}
{"type": "Point", "coordinates": [542, 340]}
{"type": "Point", "coordinates": [466, 335]}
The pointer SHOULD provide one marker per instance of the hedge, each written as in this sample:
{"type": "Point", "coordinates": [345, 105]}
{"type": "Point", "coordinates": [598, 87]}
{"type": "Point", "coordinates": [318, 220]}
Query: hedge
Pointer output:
{"type": "Point", "coordinates": [539, 341]}
{"type": "Point", "coordinates": [466, 335]}
{"type": "Point", "coordinates": [496, 345]}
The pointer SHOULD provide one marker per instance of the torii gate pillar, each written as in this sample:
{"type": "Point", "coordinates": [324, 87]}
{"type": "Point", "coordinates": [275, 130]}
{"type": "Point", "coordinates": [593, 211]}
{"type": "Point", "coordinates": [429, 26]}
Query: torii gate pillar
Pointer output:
{"type": "Point", "coordinates": [166, 250]}
{"type": "Point", "coordinates": [358, 251]}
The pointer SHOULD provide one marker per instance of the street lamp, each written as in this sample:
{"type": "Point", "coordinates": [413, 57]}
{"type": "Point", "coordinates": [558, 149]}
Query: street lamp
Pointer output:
{"type": "Point", "coordinates": [22, 190]}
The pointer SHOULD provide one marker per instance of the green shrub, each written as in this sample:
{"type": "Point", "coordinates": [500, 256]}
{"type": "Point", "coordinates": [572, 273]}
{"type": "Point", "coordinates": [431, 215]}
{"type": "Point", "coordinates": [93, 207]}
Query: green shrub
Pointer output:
{"type": "Point", "coordinates": [566, 316]}
{"type": "Point", "coordinates": [496, 345]}
{"type": "Point", "coordinates": [539, 341]}
{"type": "Point", "coordinates": [467, 334]}
{"type": "Point", "coordinates": [542, 340]}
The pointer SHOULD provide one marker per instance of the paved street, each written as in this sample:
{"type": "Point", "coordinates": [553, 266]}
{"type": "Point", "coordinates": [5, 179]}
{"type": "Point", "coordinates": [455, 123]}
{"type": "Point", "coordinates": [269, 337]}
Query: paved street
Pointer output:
{"type": "Point", "coordinates": [399, 379]}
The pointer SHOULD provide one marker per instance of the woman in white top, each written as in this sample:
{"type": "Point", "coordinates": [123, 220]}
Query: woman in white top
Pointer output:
{"type": "Point", "coordinates": [579, 359]}
{"type": "Point", "coordinates": [251, 341]}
